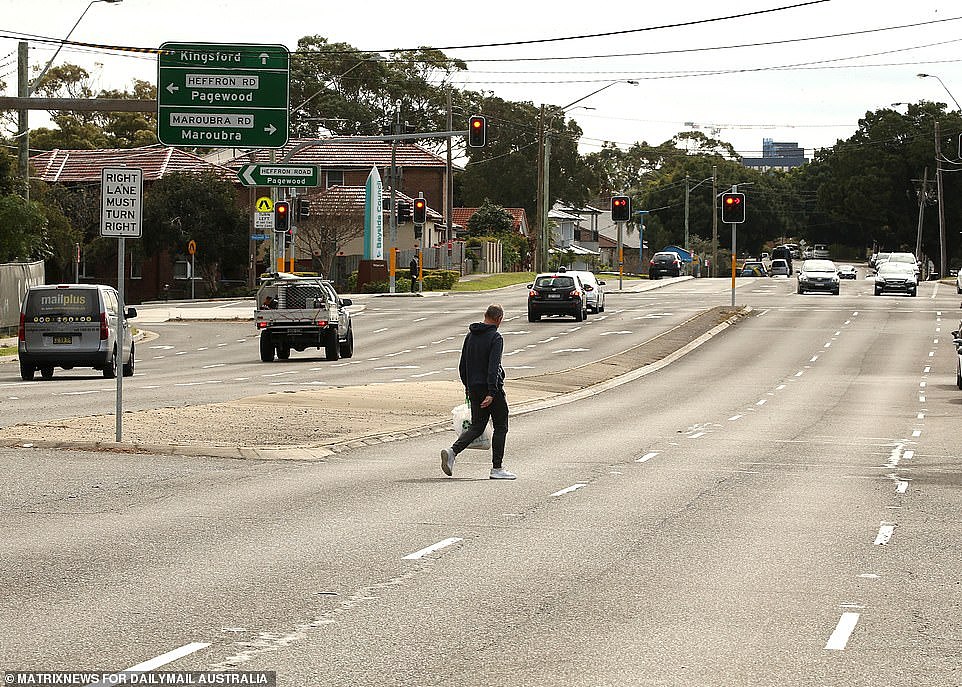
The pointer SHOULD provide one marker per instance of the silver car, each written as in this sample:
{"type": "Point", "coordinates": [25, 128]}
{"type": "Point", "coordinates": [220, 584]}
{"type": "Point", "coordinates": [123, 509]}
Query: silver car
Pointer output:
{"type": "Point", "coordinates": [818, 275]}
{"type": "Point", "coordinates": [594, 290]}
{"type": "Point", "coordinates": [74, 325]}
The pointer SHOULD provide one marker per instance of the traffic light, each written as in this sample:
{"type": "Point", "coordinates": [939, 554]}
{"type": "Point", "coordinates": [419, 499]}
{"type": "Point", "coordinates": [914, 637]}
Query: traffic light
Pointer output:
{"type": "Point", "coordinates": [403, 211]}
{"type": "Point", "coordinates": [420, 211]}
{"type": "Point", "coordinates": [282, 216]}
{"type": "Point", "coordinates": [477, 131]}
{"type": "Point", "coordinates": [733, 208]}
{"type": "Point", "coordinates": [303, 208]}
{"type": "Point", "coordinates": [620, 208]}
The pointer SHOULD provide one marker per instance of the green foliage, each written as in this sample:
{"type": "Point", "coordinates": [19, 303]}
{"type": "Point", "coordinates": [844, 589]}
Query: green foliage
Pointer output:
{"type": "Point", "coordinates": [22, 230]}
{"type": "Point", "coordinates": [490, 219]}
{"type": "Point", "coordinates": [200, 207]}
{"type": "Point", "coordinates": [434, 280]}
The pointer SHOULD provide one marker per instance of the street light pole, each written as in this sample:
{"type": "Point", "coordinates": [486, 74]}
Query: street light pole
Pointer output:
{"type": "Point", "coordinates": [933, 76]}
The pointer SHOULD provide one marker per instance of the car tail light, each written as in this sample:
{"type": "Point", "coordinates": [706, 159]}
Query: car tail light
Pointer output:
{"type": "Point", "coordinates": [21, 331]}
{"type": "Point", "coordinates": [321, 323]}
{"type": "Point", "coordinates": [651, 264]}
{"type": "Point", "coordinates": [575, 294]}
{"type": "Point", "coordinates": [104, 332]}
{"type": "Point", "coordinates": [589, 288]}
{"type": "Point", "coordinates": [532, 294]}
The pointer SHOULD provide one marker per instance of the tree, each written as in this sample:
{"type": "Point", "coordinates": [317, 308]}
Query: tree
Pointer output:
{"type": "Point", "coordinates": [490, 219]}
{"type": "Point", "coordinates": [22, 227]}
{"type": "Point", "coordinates": [201, 207]}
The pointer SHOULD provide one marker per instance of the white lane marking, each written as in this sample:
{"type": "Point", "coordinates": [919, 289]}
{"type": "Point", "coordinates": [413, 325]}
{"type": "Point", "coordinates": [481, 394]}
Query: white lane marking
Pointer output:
{"type": "Point", "coordinates": [779, 387]}
{"type": "Point", "coordinates": [181, 353]}
{"type": "Point", "coordinates": [568, 490]}
{"type": "Point", "coordinates": [901, 487]}
{"type": "Point", "coordinates": [570, 350]}
{"type": "Point", "coordinates": [623, 331]}
{"type": "Point", "coordinates": [938, 330]}
{"type": "Point", "coordinates": [697, 435]}
{"type": "Point", "coordinates": [378, 331]}
{"type": "Point", "coordinates": [885, 531]}
{"type": "Point", "coordinates": [839, 638]}
{"type": "Point", "coordinates": [735, 417]}
{"type": "Point", "coordinates": [931, 353]}
{"type": "Point", "coordinates": [814, 358]}
{"type": "Point", "coordinates": [520, 332]}
{"type": "Point", "coordinates": [869, 576]}
{"type": "Point", "coordinates": [242, 379]}
{"type": "Point", "coordinates": [916, 433]}
{"type": "Point", "coordinates": [848, 322]}
{"type": "Point", "coordinates": [202, 348]}
{"type": "Point", "coordinates": [207, 367]}
{"type": "Point", "coordinates": [419, 319]}
{"type": "Point", "coordinates": [426, 374]}
{"type": "Point", "coordinates": [151, 386]}
{"type": "Point", "coordinates": [159, 357]}
{"type": "Point", "coordinates": [548, 340]}
{"type": "Point", "coordinates": [908, 455]}
{"type": "Point", "coordinates": [922, 384]}
{"type": "Point", "coordinates": [855, 314]}
{"type": "Point", "coordinates": [894, 457]}
{"type": "Point", "coordinates": [761, 402]}
{"type": "Point", "coordinates": [213, 381]}
{"type": "Point", "coordinates": [921, 399]}
{"type": "Point", "coordinates": [920, 416]}
{"type": "Point", "coordinates": [926, 370]}
{"type": "Point", "coordinates": [444, 543]}
{"type": "Point", "coordinates": [939, 313]}
{"type": "Point", "coordinates": [391, 355]}
{"type": "Point", "coordinates": [439, 341]}
{"type": "Point", "coordinates": [399, 367]}
{"type": "Point", "coordinates": [279, 374]}
{"type": "Point", "coordinates": [935, 341]}
{"type": "Point", "coordinates": [78, 393]}
{"type": "Point", "coordinates": [764, 312]}
{"type": "Point", "coordinates": [838, 333]}
{"type": "Point", "coordinates": [162, 348]}
{"type": "Point", "coordinates": [157, 662]}
{"type": "Point", "coordinates": [828, 345]}
{"type": "Point", "coordinates": [648, 456]}
{"type": "Point", "coordinates": [800, 373]}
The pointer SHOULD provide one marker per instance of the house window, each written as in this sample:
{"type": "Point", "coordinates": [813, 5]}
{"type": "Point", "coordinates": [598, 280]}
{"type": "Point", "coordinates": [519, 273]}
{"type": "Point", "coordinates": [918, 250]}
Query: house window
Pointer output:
{"type": "Point", "coordinates": [181, 269]}
{"type": "Point", "coordinates": [335, 177]}
{"type": "Point", "coordinates": [136, 267]}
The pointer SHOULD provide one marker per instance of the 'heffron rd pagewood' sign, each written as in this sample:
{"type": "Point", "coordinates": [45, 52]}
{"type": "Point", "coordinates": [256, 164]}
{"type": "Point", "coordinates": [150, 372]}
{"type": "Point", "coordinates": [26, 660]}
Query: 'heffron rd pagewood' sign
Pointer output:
{"type": "Point", "coordinates": [279, 175]}
{"type": "Point", "coordinates": [223, 95]}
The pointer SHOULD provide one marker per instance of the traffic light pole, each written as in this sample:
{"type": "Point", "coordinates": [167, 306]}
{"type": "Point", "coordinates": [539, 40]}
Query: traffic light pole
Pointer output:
{"type": "Point", "coordinates": [734, 251]}
{"type": "Point", "coordinates": [621, 255]}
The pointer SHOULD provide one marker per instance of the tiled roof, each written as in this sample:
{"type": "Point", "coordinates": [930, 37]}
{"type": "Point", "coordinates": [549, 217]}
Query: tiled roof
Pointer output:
{"type": "Point", "coordinates": [341, 154]}
{"type": "Point", "coordinates": [351, 199]}
{"type": "Point", "coordinates": [86, 165]}
{"type": "Point", "coordinates": [462, 215]}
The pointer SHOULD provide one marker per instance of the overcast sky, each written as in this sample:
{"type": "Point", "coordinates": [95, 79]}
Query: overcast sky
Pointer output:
{"type": "Point", "coordinates": [809, 91]}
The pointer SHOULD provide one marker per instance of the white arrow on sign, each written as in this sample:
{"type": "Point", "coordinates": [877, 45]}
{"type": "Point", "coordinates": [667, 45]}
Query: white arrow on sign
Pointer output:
{"type": "Point", "coordinates": [171, 88]}
{"type": "Point", "coordinates": [246, 175]}
{"type": "Point", "coordinates": [270, 129]}
{"type": "Point", "coordinates": [264, 57]}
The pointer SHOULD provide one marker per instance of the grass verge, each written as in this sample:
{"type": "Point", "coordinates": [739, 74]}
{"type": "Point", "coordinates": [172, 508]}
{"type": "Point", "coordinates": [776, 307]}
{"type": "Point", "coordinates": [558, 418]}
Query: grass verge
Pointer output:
{"type": "Point", "coordinates": [495, 281]}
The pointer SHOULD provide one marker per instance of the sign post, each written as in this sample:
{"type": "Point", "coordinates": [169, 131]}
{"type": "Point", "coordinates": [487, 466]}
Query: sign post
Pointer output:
{"type": "Point", "coordinates": [121, 217]}
{"type": "Point", "coordinates": [223, 95]}
{"type": "Point", "coordinates": [191, 249]}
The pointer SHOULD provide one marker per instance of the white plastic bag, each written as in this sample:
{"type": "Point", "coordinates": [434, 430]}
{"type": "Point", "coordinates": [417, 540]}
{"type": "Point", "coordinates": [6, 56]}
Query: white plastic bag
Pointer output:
{"type": "Point", "coordinates": [461, 416]}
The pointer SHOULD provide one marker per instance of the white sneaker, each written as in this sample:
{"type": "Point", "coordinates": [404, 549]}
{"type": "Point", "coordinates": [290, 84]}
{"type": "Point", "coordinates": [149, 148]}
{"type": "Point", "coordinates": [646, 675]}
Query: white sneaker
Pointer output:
{"type": "Point", "coordinates": [501, 473]}
{"type": "Point", "coordinates": [447, 461]}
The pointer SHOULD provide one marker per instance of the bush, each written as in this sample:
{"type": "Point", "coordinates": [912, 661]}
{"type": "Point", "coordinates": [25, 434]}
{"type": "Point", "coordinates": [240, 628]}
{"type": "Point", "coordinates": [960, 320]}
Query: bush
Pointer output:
{"type": "Point", "coordinates": [434, 280]}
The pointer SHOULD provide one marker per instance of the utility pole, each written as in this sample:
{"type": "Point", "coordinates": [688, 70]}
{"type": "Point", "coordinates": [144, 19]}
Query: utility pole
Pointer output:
{"type": "Point", "coordinates": [538, 230]}
{"type": "Point", "coordinates": [923, 195]}
{"type": "Point", "coordinates": [23, 125]}
{"type": "Point", "coordinates": [938, 184]}
{"type": "Point", "coordinates": [545, 225]}
{"type": "Point", "coordinates": [714, 222]}
{"type": "Point", "coordinates": [687, 192]}
{"type": "Point", "coordinates": [449, 190]}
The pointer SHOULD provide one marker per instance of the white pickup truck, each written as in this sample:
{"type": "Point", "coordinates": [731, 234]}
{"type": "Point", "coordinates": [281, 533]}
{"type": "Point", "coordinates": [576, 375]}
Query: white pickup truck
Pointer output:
{"type": "Point", "coordinates": [295, 312]}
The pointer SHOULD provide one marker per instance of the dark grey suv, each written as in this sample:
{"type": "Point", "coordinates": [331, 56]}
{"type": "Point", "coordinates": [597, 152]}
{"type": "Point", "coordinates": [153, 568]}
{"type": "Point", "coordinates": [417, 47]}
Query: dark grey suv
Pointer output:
{"type": "Point", "coordinates": [557, 294]}
{"type": "Point", "coordinates": [665, 263]}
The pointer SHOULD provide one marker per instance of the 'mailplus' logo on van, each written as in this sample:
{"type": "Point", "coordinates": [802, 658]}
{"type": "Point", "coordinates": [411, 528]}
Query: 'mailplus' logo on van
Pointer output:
{"type": "Point", "coordinates": [64, 299]}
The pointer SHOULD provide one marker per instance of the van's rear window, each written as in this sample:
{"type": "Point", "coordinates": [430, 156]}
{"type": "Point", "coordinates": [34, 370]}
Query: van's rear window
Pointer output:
{"type": "Point", "coordinates": [68, 305]}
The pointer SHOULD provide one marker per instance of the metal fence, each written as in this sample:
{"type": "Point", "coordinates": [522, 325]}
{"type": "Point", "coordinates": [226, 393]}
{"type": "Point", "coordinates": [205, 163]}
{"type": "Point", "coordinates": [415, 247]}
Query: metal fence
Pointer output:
{"type": "Point", "coordinates": [15, 279]}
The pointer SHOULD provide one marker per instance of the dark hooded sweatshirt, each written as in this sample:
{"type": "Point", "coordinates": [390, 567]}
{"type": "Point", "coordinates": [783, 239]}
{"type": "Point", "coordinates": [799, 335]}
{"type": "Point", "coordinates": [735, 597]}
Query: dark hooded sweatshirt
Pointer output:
{"type": "Point", "coordinates": [480, 364]}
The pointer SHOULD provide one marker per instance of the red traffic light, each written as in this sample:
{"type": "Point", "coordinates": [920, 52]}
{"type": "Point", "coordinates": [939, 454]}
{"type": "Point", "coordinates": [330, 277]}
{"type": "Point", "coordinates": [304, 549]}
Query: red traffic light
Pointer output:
{"type": "Point", "coordinates": [477, 131]}
{"type": "Point", "coordinates": [420, 211]}
{"type": "Point", "coordinates": [733, 208]}
{"type": "Point", "coordinates": [620, 208]}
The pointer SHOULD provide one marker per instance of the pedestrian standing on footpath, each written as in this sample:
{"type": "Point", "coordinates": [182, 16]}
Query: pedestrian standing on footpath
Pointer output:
{"type": "Point", "coordinates": [483, 379]}
{"type": "Point", "coordinates": [413, 269]}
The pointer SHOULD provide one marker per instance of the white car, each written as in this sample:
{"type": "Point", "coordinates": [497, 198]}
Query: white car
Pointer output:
{"type": "Point", "coordinates": [958, 282]}
{"type": "Point", "coordinates": [594, 290]}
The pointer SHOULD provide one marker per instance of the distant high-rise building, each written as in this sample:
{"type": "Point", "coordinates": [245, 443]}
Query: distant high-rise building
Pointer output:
{"type": "Point", "coordinates": [777, 155]}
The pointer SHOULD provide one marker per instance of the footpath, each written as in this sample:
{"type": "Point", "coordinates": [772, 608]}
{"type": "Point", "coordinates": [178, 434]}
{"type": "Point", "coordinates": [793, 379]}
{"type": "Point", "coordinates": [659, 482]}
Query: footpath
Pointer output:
{"type": "Point", "coordinates": [319, 424]}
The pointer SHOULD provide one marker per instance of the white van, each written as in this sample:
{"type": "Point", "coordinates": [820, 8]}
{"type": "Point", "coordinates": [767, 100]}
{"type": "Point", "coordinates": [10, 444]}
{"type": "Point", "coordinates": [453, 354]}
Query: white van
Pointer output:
{"type": "Point", "coordinates": [74, 325]}
{"type": "Point", "coordinates": [820, 252]}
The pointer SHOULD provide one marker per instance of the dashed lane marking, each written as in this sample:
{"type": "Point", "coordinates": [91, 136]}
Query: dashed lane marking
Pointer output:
{"type": "Point", "coordinates": [568, 490]}
{"type": "Point", "coordinates": [443, 544]}
{"type": "Point", "coordinates": [839, 638]}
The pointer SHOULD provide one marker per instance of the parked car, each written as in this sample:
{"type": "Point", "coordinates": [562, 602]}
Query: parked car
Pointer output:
{"type": "Point", "coordinates": [894, 276]}
{"type": "Point", "coordinates": [818, 275]}
{"type": "Point", "coordinates": [753, 268]}
{"type": "Point", "coordinates": [594, 290]}
{"type": "Point", "coordinates": [847, 272]}
{"type": "Point", "coordinates": [958, 282]}
{"type": "Point", "coordinates": [557, 293]}
{"type": "Point", "coordinates": [74, 325]}
{"type": "Point", "coordinates": [780, 268]}
{"type": "Point", "coordinates": [879, 259]}
{"type": "Point", "coordinates": [664, 263]}
{"type": "Point", "coordinates": [957, 342]}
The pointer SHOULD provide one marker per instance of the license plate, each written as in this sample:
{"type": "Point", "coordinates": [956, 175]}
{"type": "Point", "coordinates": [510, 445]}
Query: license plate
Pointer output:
{"type": "Point", "coordinates": [63, 339]}
{"type": "Point", "coordinates": [554, 295]}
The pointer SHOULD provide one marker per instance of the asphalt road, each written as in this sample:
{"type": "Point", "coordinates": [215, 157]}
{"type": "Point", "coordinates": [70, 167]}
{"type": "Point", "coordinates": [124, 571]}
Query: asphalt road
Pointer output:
{"type": "Point", "coordinates": [778, 507]}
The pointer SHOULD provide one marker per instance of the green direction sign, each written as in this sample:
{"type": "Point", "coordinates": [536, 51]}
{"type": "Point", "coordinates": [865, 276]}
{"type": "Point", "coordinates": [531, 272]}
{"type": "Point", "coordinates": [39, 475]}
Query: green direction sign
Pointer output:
{"type": "Point", "coordinates": [279, 175]}
{"type": "Point", "coordinates": [223, 95]}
